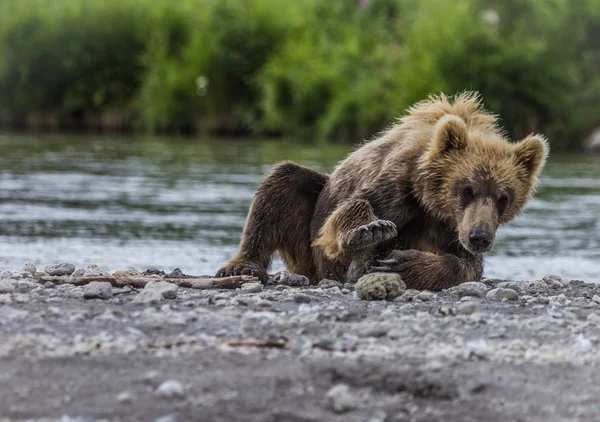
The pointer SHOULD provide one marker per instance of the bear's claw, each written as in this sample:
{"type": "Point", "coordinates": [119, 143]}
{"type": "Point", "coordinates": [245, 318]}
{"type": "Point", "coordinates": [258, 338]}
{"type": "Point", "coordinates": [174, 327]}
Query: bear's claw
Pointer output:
{"type": "Point", "coordinates": [369, 234]}
{"type": "Point", "coordinates": [242, 268]}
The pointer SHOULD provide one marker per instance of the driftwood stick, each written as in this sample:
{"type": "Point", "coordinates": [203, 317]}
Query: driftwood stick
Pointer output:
{"type": "Point", "coordinates": [139, 282]}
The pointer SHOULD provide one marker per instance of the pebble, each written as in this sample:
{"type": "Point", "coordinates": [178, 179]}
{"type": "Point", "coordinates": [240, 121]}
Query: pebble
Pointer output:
{"type": "Point", "coordinates": [28, 267]}
{"type": "Point", "coordinates": [166, 418]}
{"type": "Point", "coordinates": [552, 279]}
{"type": "Point", "coordinates": [325, 284]}
{"type": "Point", "coordinates": [25, 286]}
{"type": "Point", "coordinates": [6, 274]}
{"type": "Point", "coordinates": [302, 298]}
{"type": "Point", "coordinates": [97, 290]}
{"type": "Point", "coordinates": [148, 296]}
{"type": "Point", "coordinates": [125, 397]}
{"type": "Point", "coordinates": [409, 295]}
{"type": "Point", "coordinates": [78, 273]}
{"type": "Point", "coordinates": [165, 289]}
{"type": "Point", "coordinates": [510, 285]}
{"type": "Point", "coordinates": [61, 269]}
{"type": "Point", "coordinates": [7, 286]}
{"type": "Point", "coordinates": [596, 298]}
{"type": "Point", "coordinates": [289, 279]}
{"type": "Point", "coordinates": [471, 288]}
{"type": "Point", "coordinates": [425, 296]}
{"type": "Point", "coordinates": [500, 294]}
{"type": "Point", "coordinates": [171, 389]}
{"type": "Point", "coordinates": [380, 286]}
{"type": "Point", "coordinates": [176, 273]}
{"type": "Point", "coordinates": [468, 308]}
{"type": "Point", "coordinates": [252, 288]}
{"type": "Point", "coordinates": [126, 273]}
{"type": "Point", "coordinates": [340, 399]}
{"type": "Point", "coordinates": [93, 270]}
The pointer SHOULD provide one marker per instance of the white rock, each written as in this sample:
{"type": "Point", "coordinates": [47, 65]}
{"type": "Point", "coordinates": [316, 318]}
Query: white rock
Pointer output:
{"type": "Point", "coordinates": [97, 290]}
{"type": "Point", "coordinates": [171, 389]}
{"type": "Point", "coordinates": [93, 270]}
{"type": "Point", "coordinates": [148, 296]}
{"type": "Point", "coordinates": [340, 399]}
{"type": "Point", "coordinates": [7, 286]}
{"type": "Point", "coordinates": [166, 290]}
{"type": "Point", "coordinates": [499, 294]}
{"type": "Point", "coordinates": [28, 267]}
{"type": "Point", "coordinates": [471, 288]}
{"type": "Point", "coordinates": [252, 287]}
{"type": "Point", "coordinates": [61, 269]}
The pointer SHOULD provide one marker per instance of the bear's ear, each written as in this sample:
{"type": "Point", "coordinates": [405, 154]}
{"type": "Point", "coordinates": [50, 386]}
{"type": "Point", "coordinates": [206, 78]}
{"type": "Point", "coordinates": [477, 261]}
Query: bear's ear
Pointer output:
{"type": "Point", "coordinates": [531, 153]}
{"type": "Point", "coordinates": [450, 135]}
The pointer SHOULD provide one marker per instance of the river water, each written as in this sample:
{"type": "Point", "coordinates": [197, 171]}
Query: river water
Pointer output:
{"type": "Point", "coordinates": [131, 202]}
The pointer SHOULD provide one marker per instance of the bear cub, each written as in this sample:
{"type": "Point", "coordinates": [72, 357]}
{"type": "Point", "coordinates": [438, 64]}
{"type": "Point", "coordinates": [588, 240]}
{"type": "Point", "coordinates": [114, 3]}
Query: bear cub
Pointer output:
{"type": "Point", "coordinates": [423, 200]}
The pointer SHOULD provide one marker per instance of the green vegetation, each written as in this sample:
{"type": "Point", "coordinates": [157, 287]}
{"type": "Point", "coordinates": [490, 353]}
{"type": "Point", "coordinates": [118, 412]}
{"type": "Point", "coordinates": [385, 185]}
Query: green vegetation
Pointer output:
{"type": "Point", "coordinates": [306, 68]}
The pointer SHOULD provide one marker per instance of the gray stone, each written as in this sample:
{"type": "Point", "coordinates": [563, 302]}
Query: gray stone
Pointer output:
{"type": "Point", "coordinates": [470, 288]}
{"type": "Point", "coordinates": [325, 284]}
{"type": "Point", "coordinates": [171, 389]}
{"type": "Point", "coordinates": [6, 274]}
{"type": "Point", "coordinates": [380, 286]}
{"type": "Point", "coordinates": [7, 286]}
{"type": "Point", "coordinates": [23, 286]}
{"type": "Point", "coordinates": [93, 270]}
{"type": "Point", "coordinates": [166, 290]}
{"type": "Point", "coordinates": [28, 267]}
{"type": "Point", "coordinates": [166, 418]}
{"type": "Point", "coordinates": [60, 269]}
{"type": "Point", "coordinates": [596, 298]}
{"type": "Point", "coordinates": [78, 273]}
{"type": "Point", "coordinates": [97, 290]}
{"type": "Point", "coordinates": [425, 296]}
{"type": "Point", "coordinates": [302, 298]}
{"type": "Point", "coordinates": [340, 399]}
{"type": "Point", "coordinates": [510, 285]}
{"type": "Point", "coordinates": [148, 296]}
{"type": "Point", "coordinates": [252, 287]}
{"type": "Point", "coordinates": [500, 294]}
{"type": "Point", "coordinates": [126, 273]}
{"type": "Point", "coordinates": [125, 397]}
{"type": "Point", "coordinates": [468, 308]}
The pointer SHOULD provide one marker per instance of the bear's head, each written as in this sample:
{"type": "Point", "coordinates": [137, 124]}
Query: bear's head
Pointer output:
{"type": "Point", "coordinates": [476, 180]}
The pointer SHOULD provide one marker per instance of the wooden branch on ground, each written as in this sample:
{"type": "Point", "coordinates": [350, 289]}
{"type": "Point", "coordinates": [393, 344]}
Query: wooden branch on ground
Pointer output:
{"type": "Point", "coordinates": [202, 283]}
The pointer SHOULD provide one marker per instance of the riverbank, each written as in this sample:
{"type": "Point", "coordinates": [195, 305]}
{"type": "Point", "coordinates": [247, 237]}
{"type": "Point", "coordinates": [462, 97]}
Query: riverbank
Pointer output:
{"type": "Point", "coordinates": [283, 353]}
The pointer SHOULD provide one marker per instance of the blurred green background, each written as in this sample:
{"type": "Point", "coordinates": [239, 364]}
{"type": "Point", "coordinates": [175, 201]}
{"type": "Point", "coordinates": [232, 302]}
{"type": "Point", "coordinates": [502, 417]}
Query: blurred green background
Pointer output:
{"type": "Point", "coordinates": [334, 70]}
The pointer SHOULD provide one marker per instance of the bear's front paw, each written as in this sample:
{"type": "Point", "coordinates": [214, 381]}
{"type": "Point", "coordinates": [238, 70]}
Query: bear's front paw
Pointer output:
{"type": "Point", "coordinates": [243, 268]}
{"type": "Point", "coordinates": [396, 262]}
{"type": "Point", "coordinates": [369, 234]}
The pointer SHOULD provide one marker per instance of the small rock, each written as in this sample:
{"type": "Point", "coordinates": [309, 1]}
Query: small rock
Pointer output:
{"type": "Point", "coordinates": [93, 270]}
{"type": "Point", "coordinates": [60, 269]}
{"type": "Point", "coordinates": [148, 296]}
{"type": "Point", "coordinates": [340, 399]}
{"type": "Point", "coordinates": [25, 286]}
{"type": "Point", "coordinates": [425, 296]}
{"type": "Point", "coordinates": [510, 285]}
{"type": "Point", "coordinates": [302, 298]}
{"type": "Point", "coordinates": [380, 286]}
{"type": "Point", "coordinates": [28, 267]}
{"type": "Point", "coordinates": [171, 389]}
{"type": "Point", "coordinates": [166, 418]}
{"type": "Point", "coordinates": [20, 298]}
{"type": "Point", "coordinates": [176, 273]}
{"type": "Point", "coordinates": [6, 274]}
{"type": "Point", "coordinates": [166, 289]}
{"type": "Point", "coordinates": [126, 273]}
{"type": "Point", "coordinates": [7, 286]}
{"type": "Point", "coordinates": [5, 299]}
{"type": "Point", "coordinates": [471, 288]}
{"type": "Point", "coordinates": [594, 317]}
{"type": "Point", "coordinates": [49, 285]}
{"type": "Point", "coordinates": [326, 284]}
{"type": "Point", "coordinates": [155, 273]}
{"type": "Point", "coordinates": [468, 308]}
{"type": "Point", "coordinates": [500, 294]}
{"type": "Point", "coordinates": [552, 279]}
{"type": "Point", "coordinates": [285, 277]}
{"type": "Point", "coordinates": [125, 397]}
{"type": "Point", "coordinates": [78, 273]}
{"type": "Point", "coordinates": [596, 298]}
{"type": "Point", "coordinates": [252, 288]}
{"type": "Point", "coordinates": [409, 294]}
{"type": "Point", "coordinates": [97, 290]}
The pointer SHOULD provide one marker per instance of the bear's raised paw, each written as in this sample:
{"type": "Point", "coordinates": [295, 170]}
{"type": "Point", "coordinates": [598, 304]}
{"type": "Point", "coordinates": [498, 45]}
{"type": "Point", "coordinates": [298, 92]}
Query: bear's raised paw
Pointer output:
{"type": "Point", "coordinates": [369, 235]}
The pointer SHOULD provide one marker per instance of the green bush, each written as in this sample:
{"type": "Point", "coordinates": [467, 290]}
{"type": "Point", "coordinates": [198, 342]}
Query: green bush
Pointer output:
{"type": "Point", "coordinates": [309, 68]}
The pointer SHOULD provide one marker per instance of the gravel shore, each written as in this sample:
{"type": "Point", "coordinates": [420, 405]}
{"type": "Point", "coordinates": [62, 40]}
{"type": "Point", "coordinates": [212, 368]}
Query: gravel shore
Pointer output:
{"type": "Point", "coordinates": [492, 351]}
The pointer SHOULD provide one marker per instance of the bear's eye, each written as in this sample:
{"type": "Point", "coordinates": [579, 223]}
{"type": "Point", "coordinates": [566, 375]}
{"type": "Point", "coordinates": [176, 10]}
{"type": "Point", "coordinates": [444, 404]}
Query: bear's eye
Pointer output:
{"type": "Point", "coordinates": [502, 203]}
{"type": "Point", "coordinates": [467, 192]}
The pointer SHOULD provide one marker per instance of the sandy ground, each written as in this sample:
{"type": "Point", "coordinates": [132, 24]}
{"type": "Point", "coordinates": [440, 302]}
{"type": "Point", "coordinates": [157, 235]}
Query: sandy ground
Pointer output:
{"type": "Point", "coordinates": [300, 354]}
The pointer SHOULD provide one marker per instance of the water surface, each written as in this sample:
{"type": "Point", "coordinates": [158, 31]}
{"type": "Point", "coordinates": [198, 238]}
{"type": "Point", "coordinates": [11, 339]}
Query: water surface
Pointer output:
{"type": "Point", "coordinates": [165, 202]}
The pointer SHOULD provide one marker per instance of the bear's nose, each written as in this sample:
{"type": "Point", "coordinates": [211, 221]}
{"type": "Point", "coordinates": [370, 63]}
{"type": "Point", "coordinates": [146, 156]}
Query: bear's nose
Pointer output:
{"type": "Point", "coordinates": [480, 238]}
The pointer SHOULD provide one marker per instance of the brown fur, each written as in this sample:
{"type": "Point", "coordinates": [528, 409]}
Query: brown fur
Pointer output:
{"type": "Point", "coordinates": [414, 199]}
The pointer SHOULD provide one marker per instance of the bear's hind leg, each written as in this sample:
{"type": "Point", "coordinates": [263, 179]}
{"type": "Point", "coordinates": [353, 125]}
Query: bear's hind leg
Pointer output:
{"type": "Point", "coordinates": [279, 219]}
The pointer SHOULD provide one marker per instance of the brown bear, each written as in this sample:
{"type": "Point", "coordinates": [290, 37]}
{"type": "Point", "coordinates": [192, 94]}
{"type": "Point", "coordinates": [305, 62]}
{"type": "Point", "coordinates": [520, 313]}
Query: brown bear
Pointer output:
{"type": "Point", "coordinates": [423, 200]}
